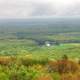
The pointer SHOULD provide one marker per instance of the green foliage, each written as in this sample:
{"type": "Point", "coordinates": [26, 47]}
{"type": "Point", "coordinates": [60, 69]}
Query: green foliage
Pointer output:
{"type": "Point", "coordinates": [23, 74]}
{"type": "Point", "coordinates": [55, 76]}
{"type": "Point", "coordinates": [31, 60]}
{"type": "Point", "coordinates": [4, 76]}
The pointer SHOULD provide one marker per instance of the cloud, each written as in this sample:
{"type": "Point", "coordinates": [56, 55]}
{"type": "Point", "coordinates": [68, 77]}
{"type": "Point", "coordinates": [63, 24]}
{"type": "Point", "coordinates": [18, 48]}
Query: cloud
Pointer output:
{"type": "Point", "coordinates": [33, 8]}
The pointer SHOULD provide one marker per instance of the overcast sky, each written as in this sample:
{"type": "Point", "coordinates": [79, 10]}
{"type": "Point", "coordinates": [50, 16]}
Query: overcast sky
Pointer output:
{"type": "Point", "coordinates": [38, 8]}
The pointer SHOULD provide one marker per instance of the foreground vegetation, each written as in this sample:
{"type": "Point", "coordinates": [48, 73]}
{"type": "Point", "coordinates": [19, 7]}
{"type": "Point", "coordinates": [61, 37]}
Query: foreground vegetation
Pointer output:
{"type": "Point", "coordinates": [27, 68]}
{"type": "Point", "coordinates": [25, 60]}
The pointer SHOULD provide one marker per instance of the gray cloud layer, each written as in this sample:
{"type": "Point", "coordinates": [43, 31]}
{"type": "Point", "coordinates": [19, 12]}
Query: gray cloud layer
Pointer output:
{"type": "Point", "coordinates": [32, 8]}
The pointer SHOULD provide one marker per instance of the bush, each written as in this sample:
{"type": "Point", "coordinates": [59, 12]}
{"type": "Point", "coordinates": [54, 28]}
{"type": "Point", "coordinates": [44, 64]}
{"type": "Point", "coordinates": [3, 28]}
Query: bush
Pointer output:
{"type": "Point", "coordinates": [4, 76]}
{"type": "Point", "coordinates": [23, 73]}
{"type": "Point", "coordinates": [63, 66]}
{"type": "Point", "coordinates": [56, 76]}
{"type": "Point", "coordinates": [31, 61]}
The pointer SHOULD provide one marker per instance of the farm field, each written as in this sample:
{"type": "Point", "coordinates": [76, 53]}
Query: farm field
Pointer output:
{"type": "Point", "coordinates": [22, 47]}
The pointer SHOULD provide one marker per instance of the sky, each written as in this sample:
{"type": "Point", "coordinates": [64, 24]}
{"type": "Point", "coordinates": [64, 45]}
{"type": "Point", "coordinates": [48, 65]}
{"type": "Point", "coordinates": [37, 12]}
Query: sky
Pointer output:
{"type": "Point", "coordinates": [38, 8]}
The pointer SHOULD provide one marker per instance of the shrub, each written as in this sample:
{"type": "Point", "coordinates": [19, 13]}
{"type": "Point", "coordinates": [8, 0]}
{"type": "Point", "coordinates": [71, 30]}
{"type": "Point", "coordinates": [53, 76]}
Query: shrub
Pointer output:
{"type": "Point", "coordinates": [46, 77]}
{"type": "Point", "coordinates": [63, 66]}
{"type": "Point", "coordinates": [23, 73]}
{"type": "Point", "coordinates": [56, 76]}
{"type": "Point", "coordinates": [4, 76]}
{"type": "Point", "coordinates": [31, 61]}
{"type": "Point", "coordinates": [6, 60]}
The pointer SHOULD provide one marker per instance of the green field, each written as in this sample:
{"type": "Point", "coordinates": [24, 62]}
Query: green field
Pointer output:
{"type": "Point", "coordinates": [29, 47]}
